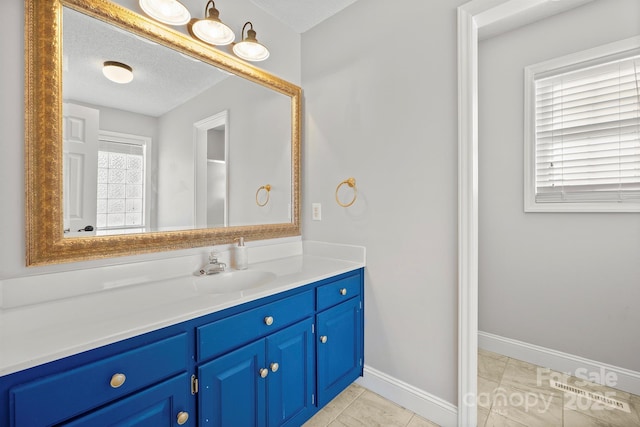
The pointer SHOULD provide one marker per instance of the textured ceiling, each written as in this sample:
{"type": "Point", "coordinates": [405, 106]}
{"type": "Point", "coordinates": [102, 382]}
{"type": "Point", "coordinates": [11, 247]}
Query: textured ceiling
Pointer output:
{"type": "Point", "coordinates": [167, 78]}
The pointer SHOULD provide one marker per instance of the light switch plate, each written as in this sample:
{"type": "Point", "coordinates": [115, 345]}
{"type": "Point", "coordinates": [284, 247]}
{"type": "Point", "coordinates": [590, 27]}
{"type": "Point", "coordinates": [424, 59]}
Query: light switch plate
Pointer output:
{"type": "Point", "coordinates": [316, 211]}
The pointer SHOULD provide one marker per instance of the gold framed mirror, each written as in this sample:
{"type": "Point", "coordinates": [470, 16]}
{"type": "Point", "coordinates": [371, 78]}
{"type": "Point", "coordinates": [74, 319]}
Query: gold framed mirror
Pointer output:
{"type": "Point", "coordinates": [44, 146]}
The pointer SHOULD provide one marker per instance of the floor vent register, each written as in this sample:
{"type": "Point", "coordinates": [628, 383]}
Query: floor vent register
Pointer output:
{"type": "Point", "coordinates": [594, 396]}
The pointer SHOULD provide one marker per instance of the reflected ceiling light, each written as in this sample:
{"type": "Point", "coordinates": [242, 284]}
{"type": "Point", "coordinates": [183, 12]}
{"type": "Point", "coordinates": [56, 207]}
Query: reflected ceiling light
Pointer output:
{"type": "Point", "coordinates": [249, 49]}
{"type": "Point", "coordinates": [170, 12]}
{"type": "Point", "coordinates": [117, 72]}
{"type": "Point", "coordinates": [211, 29]}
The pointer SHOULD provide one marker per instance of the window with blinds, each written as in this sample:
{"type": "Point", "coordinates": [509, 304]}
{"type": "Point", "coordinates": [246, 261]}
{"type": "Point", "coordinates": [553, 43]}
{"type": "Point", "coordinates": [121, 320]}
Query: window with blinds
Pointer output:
{"type": "Point", "coordinates": [585, 126]}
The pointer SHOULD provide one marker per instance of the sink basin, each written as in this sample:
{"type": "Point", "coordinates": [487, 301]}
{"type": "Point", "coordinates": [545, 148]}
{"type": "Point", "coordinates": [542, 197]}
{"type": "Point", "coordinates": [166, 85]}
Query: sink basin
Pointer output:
{"type": "Point", "coordinates": [233, 281]}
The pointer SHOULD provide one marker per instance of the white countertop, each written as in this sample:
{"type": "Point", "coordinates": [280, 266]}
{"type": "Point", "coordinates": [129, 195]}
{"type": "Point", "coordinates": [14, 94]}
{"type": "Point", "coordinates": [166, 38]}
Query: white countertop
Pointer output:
{"type": "Point", "coordinates": [34, 334]}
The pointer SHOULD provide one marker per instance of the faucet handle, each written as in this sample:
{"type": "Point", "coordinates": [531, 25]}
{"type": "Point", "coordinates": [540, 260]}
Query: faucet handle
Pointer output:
{"type": "Point", "coordinates": [213, 256]}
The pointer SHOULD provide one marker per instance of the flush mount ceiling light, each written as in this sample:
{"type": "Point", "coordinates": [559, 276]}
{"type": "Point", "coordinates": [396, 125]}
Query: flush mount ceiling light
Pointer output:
{"type": "Point", "coordinates": [117, 72]}
{"type": "Point", "coordinates": [249, 49]}
{"type": "Point", "coordinates": [211, 29]}
{"type": "Point", "coordinates": [170, 12]}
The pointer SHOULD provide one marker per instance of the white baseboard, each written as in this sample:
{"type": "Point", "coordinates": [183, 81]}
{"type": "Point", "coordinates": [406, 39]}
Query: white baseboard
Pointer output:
{"type": "Point", "coordinates": [624, 379]}
{"type": "Point", "coordinates": [419, 401]}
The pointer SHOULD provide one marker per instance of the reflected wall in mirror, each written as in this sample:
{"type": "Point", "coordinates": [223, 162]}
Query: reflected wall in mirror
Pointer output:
{"type": "Point", "coordinates": [171, 160]}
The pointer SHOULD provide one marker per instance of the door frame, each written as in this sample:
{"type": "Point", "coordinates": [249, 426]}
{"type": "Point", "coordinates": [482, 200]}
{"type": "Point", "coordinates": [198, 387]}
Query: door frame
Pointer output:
{"type": "Point", "coordinates": [200, 130]}
{"type": "Point", "coordinates": [478, 19]}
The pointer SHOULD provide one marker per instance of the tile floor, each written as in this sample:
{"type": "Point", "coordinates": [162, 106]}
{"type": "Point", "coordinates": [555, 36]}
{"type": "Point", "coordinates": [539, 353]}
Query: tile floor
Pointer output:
{"type": "Point", "coordinates": [515, 394]}
{"type": "Point", "coordinates": [358, 407]}
{"type": "Point", "coordinates": [511, 393]}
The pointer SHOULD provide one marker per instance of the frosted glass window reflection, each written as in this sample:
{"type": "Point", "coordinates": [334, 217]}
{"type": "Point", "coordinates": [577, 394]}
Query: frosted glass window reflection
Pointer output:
{"type": "Point", "coordinates": [134, 192]}
{"type": "Point", "coordinates": [116, 176]}
{"type": "Point", "coordinates": [134, 176]}
{"type": "Point", "coordinates": [134, 163]}
{"type": "Point", "coordinates": [101, 220]}
{"type": "Point", "coordinates": [117, 161]}
{"type": "Point", "coordinates": [115, 206]}
{"type": "Point", "coordinates": [115, 220]}
{"type": "Point", "coordinates": [120, 185]}
{"type": "Point", "coordinates": [103, 175]}
{"type": "Point", "coordinates": [116, 191]}
{"type": "Point", "coordinates": [102, 205]}
{"type": "Point", "coordinates": [103, 192]}
{"type": "Point", "coordinates": [103, 160]}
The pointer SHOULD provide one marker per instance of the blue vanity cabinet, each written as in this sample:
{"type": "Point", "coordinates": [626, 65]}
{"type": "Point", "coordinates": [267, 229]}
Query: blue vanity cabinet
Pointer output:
{"type": "Point", "coordinates": [269, 362]}
{"type": "Point", "coordinates": [339, 337]}
{"type": "Point", "coordinates": [268, 382]}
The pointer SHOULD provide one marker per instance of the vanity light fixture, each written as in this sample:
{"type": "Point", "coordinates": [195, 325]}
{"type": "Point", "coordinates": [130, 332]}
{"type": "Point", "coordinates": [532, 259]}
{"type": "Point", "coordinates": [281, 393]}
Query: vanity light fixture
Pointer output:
{"type": "Point", "coordinates": [249, 49]}
{"type": "Point", "coordinates": [117, 72]}
{"type": "Point", "coordinates": [170, 12]}
{"type": "Point", "coordinates": [211, 29]}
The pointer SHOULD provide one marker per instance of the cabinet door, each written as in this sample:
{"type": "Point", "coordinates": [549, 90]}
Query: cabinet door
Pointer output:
{"type": "Point", "coordinates": [232, 390]}
{"type": "Point", "coordinates": [161, 405]}
{"type": "Point", "coordinates": [291, 381]}
{"type": "Point", "coordinates": [339, 348]}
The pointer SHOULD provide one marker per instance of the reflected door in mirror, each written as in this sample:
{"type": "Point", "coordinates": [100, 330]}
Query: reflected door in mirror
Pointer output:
{"type": "Point", "coordinates": [80, 162]}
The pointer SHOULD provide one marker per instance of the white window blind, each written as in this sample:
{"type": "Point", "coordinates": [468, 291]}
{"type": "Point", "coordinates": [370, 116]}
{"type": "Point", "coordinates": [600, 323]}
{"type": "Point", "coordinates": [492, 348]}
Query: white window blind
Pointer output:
{"type": "Point", "coordinates": [587, 134]}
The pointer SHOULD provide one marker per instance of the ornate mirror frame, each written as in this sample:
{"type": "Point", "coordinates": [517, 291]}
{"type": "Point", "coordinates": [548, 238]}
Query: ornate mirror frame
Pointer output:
{"type": "Point", "coordinates": [45, 242]}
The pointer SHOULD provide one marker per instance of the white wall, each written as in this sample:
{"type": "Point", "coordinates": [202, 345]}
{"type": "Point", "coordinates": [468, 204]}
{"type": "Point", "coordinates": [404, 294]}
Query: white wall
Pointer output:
{"type": "Point", "coordinates": [284, 61]}
{"type": "Point", "coordinates": [259, 153]}
{"type": "Point", "coordinates": [565, 281]}
{"type": "Point", "coordinates": [381, 105]}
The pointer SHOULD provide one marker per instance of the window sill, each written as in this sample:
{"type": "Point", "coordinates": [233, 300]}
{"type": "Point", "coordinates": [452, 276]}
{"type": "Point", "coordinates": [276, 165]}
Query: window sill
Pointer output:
{"type": "Point", "coordinates": [530, 206]}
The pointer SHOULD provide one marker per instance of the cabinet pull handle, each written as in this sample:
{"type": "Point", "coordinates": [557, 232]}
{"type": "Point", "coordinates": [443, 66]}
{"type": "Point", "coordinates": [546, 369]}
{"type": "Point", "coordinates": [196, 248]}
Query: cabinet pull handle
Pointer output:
{"type": "Point", "coordinates": [323, 339]}
{"type": "Point", "coordinates": [274, 366]}
{"type": "Point", "coordinates": [117, 380]}
{"type": "Point", "coordinates": [182, 417]}
{"type": "Point", "coordinates": [264, 372]}
{"type": "Point", "coordinates": [268, 320]}
{"type": "Point", "coordinates": [343, 291]}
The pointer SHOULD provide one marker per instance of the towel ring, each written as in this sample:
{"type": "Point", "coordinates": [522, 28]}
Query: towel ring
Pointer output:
{"type": "Point", "coordinates": [351, 182]}
{"type": "Point", "coordinates": [266, 188]}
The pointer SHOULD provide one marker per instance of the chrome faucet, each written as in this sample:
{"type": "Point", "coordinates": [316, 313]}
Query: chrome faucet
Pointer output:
{"type": "Point", "coordinates": [214, 267]}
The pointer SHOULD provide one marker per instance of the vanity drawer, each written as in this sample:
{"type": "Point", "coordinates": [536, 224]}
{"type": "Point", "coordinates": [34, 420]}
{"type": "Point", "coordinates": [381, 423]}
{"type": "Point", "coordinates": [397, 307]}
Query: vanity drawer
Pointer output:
{"type": "Point", "coordinates": [226, 334]}
{"type": "Point", "coordinates": [338, 291]}
{"type": "Point", "coordinates": [60, 396]}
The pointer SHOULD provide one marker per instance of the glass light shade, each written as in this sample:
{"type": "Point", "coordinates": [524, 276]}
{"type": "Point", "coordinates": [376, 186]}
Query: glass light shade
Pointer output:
{"type": "Point", "coordinates": [251, 50]}
{"type": "Point", "coordinates": [117, 72]}
{"type": "Point", "coordinates": [213, 32]}
{"type": "Point", "coordinates": [170, 12]}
